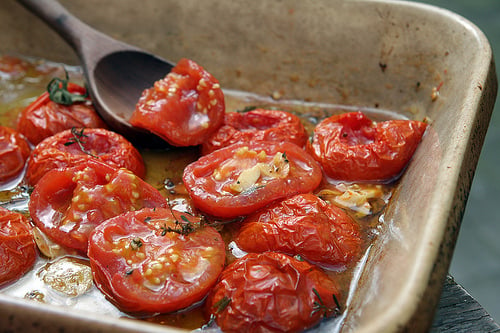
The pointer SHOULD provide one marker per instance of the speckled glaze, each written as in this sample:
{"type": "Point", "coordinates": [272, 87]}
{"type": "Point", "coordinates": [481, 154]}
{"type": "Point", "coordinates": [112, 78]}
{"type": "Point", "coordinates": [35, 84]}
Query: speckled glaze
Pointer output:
{"type": "Point", "coordinates": [416, 59]}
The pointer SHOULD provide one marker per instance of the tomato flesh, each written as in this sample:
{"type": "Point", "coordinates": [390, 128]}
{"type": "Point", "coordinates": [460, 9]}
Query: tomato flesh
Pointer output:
{"type": "Point", "coordinates": [67, 204]}
{"type": "Point", "coordinates": [17, 247]}
{"type": "Point", "coordinates": [258, 124]}
{"type": "Point", "coordinates": [184, 108]}
{"type": "Point", "coordinates": [271, 292]}
{"type": "Point", "coordinates": [14, 151]}
{"type": "Point", "coordinates": [241, 178]}
{"type": "Point", "coordinates": [142, 266]}
{"type": "Point", "coordinates": [350, 147]}
{"type": "Point", "coordinates": [303, 225]}
{"type": "Point", "coordinates": [74, 147]}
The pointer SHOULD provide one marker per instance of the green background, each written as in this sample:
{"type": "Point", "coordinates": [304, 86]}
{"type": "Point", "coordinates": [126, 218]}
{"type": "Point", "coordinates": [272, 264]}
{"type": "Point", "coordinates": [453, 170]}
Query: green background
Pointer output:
{"type": "Point", "coordinates": [476, 261]}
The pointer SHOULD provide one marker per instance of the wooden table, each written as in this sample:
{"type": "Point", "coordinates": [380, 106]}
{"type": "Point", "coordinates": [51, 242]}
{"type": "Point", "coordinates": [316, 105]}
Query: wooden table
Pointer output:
{"type": "Point", "coordinates": [458, 311]}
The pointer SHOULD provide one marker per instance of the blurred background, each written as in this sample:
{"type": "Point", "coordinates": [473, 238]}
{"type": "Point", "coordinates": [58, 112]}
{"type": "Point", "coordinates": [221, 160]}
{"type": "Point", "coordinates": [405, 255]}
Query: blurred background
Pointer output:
{"type": "Point", "coordinates": [476, 261]}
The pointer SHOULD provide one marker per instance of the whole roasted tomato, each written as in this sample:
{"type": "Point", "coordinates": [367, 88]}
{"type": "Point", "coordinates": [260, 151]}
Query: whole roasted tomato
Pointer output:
{"type": "Point", "coordinates": [351, 147]}
{"type": "Point", "coordinates": [65, 105]}
{"type": "Point", "coordinates": [67, 204]}
{"type": "Point", "coordinates": [155, 260]}
{"type": "Point", "coordinates": [271, 292]}
{"type": "Point", "coordinates": [303, 225]}
{"type": "Point", "coordinates": [184, 108]}
{"type": "Point", "coordinates": [17, 247]}
{"type": "Point", "coordinates": [241, 178]}
{"type": "Point", "coordinates": [258, 124]}
{"type": "Point", "coordinates": [14, 151]}
{"type": "Point", "coordinates": [76, 146]}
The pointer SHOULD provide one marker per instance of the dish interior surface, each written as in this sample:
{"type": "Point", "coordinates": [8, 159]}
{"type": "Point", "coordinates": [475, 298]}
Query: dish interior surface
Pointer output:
{"type": "Point", "coordinates": [416, 61]}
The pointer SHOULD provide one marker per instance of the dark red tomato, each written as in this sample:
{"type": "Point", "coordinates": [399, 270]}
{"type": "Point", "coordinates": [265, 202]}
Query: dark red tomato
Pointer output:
{"type": "Point", "coordinates": [17, 247]}
{"type": "Point", "coordinates": [241, 178]}
{"type": "Point", "coordinates": [67, 204]}
{"type": "Point", "coordinates": [351, 147]}
{"type": "Point", "coordinates": [303, 225]}
{"type": "Point", "coordinates": [271, 292]}
{"type": "Point", "coordinates": [14, 151]}
{"type": "Point", "coordinates": [76, 146]}
{"type": "Point", "coordinates": [152, 261]}
{"type": "Point", "coordinates": [45, 117]}
{"type": "Point", "coordinates": [184, 108]}
{"type": "Point", "coordinates": [258, 124]}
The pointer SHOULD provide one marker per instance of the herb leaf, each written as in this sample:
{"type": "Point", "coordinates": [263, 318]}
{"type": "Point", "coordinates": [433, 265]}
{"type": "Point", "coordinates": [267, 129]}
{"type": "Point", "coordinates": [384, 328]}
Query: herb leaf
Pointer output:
{"type": "Point", "coordinates": [58, 92]}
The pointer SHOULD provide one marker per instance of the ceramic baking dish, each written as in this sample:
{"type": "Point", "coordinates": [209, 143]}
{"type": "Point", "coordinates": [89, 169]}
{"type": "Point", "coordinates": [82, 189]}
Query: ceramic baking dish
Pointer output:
{"type": "Point", "coordinates": [410, 58]}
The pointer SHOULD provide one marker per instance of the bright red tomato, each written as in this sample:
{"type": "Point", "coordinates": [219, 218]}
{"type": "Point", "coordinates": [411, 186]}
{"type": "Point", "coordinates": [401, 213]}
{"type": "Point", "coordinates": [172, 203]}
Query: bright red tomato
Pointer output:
{"type": "Point", "coordinates": [17, 247]}
{"type": "Point", "coordinates": [152, 261]}
{"type": "Point", "coordinates": [14, 151]}
{"type": "Point", "coordinates": [67, 204]}
{"type": "Point", "coordinates": [271, 292]}
{"type": "Point", "coordinates": [258, 124]}
{"type": "Point", "coordinates": [241, 178]}
{"type": "Point", "coordinates": [351, 147]}
{"type": "Point", "coordinates": [303, 225]}
{"type": "Point", "coordinates": [46, 117]}
{"type": "Point", "coordinates": [184, 108]}
{"type": "Point", "coordinates": [76, 146]}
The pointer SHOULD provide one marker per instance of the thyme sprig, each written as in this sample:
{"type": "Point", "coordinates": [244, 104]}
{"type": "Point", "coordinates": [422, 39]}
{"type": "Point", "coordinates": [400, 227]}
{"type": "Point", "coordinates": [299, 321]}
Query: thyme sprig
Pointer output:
{"type": "Point", "coordinates": [320, 305]}
{"type": "Point", "coordinates": [219, 306]}
{"type": "Point", "coordinates": [59, 93]}
{"type": "Point", "coordinates": [79, 138]}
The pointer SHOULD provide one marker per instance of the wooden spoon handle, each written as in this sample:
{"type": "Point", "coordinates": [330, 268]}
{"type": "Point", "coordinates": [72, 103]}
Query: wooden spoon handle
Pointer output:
{"type": "Point", "coordinates": [89, 43]}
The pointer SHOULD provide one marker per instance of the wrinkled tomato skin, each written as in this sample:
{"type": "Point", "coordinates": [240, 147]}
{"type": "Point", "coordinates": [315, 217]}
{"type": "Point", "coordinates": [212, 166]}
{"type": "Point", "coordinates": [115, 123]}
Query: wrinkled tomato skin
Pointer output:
{"type": "Point", "coordinates": [350, 147]}
{"type": "Point", "coordinates": [270, 292]}
{"type": "Point", "coordinates": [303, 225]}
{"type": "Point", "coordinates": [55, 152]}
{"type": "Point", "coordinates": [14, 151]}
{"type": "Point", "coordinates": [258, 124]}
{"type": "Point", "coordinates": [67, 204]}
{"type": "Point", "coordinates": [184, 108]}
{"type": "Point", "coordinates": [209, 196]}
{"type": "Point", "coordinates": [167, 272]}
{"type": "Point", "coordinates": [17, 247]}
{"type": "Point", "coordinates": [44, 118]}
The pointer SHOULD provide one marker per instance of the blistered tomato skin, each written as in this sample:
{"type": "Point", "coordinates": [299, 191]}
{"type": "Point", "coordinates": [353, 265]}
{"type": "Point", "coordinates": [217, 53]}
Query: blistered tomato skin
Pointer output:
{"type": "Point", "coordinates": [303, 225]}
{"type": "Point", "coordinates": [14, 151]}
{"type": "Point", "coordinates": [350, 147]}
{"type": "Point", "coordinates": [145, 264]}
{"type": "Point", "coordinates": [67, 204]}
{"type": "Point", "coordinates": [241, 178]}
{"type": "Point", "coordinates": [184, 108]}
{"type": "Point", "coordinates": [17, 247]}
{"type": "Point", "coordinates": [271, 292]}
{"type": "Point", "coordinates": [44, 117]}
{"type": "Point", "coordinates": [76, 146]}
{"type": "Point", "coordinates": [257, 125]}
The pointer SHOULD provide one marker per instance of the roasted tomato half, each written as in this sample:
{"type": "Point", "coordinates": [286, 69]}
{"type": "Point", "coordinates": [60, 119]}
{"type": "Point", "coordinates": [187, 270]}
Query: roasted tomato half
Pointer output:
{"type": "Point", "coordinates": [271, 292]}
{"type": "Point", "coordinates": [351, 147]}
{"type": "Point", "coordinates": [17, 247]}
{"type": "Point", "coordinates": [76, 146]}
{"type": "Point", "coordinates": [65, 105]}
{"type": "Point", "coordinates": [241, 178]}
{"type": "Point", "coordinates": [258, 124]}
{"type": "Point", "coordinates": [67, 204]}
{"type": "Point", "coordinates": [303, 225]}
{"type": "Point", "coordinates": [155, 260]}
{"type": "Point", "coordinates": [184, 108]}
{"type": "Point", "coordinates": [14, 151]}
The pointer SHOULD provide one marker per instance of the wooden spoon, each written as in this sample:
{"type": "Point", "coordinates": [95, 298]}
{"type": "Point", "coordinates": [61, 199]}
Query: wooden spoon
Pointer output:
{"type": "Point", "coordinates": [116, 73]}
